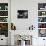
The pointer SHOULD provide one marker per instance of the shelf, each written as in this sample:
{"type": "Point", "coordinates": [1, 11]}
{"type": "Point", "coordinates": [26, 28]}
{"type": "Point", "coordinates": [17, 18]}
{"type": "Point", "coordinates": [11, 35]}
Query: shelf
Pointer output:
{"type": "Point", "coordinates": [3, 10]}
{"type": "Point", "coordinates": [41, 10]}
{"type": "Point", "coordinates": [3, 16]}
{"type": "Point", "coordinates": [3, 22]}
{"type": "Point", "coordinates": [41, 22]}
{"type": "Point", "coordinates": [42, 16]}
{"type": "Point", "coordinates": [41, 28]}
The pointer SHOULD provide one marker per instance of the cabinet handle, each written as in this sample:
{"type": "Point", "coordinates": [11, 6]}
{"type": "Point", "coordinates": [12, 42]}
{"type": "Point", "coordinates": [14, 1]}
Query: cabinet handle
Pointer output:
{"type": "Point", "coordinates": [1, 39]}
{"type": "Point", "coordinates": [43, 39]}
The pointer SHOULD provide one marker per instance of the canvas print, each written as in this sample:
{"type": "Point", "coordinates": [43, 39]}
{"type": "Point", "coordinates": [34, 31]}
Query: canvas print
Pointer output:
{"type": "Point", "coordinates": [22, 14]}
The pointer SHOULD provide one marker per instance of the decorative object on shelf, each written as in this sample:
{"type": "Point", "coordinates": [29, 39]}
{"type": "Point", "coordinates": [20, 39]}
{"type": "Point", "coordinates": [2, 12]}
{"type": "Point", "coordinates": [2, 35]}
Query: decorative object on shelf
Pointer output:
{"type": "Point", "coordinates": [3, 6]}
{"type": "Point", "coordinates": [3, 13]}
{"type": "Point", "coordinates": [41, 6]}
{"type": "Point", "coordinates": [4, 26]}
{"type": "Point", "coordinates": [43, 13]}
{"type": "Point", "coordinates": [3, 19]}
{"type": "Point", "coordinates": [41, 19]}
{"type": "Point", "coordinates": [0, 7]}
{"type": "Point", "coordinates": [13, 27]}
{"type": "Point", "coordinates": [23, 14]}
{"type": "Point", "coordinates": [4, 29]}
{"type": "Point", "coordinates": [42, 32]}
{"type": "Point", "coordinates": [31, 27]}
{"type": "Point", "coordinates": [6, 7]}
{"type": "Point", "coordinates": [40, 25]}
{"type": "Point", "coordinates": [45, 7]}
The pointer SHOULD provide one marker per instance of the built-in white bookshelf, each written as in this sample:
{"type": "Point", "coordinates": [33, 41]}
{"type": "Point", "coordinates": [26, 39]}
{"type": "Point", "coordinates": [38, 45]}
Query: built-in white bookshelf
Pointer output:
{"type": "Point", "coordinates": [42, 19]}
{"type": "Point", "coordinates": [4, 19]}
{"type": "Point", "coordinates": [42, 10]}
{"type": "Point", "coordinates": [3, 10]}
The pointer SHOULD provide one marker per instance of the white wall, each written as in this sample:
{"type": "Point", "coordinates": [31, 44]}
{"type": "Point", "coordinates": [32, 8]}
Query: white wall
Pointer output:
{"type": "Point", "coordinates": [23, 24]}
{"type": "Point", "coordinates": [31, 6]}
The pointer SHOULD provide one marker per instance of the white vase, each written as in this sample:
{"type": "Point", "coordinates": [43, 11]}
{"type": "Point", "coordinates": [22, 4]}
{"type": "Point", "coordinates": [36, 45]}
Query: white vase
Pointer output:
{"type": "Point", "coordinates": [22, 43]}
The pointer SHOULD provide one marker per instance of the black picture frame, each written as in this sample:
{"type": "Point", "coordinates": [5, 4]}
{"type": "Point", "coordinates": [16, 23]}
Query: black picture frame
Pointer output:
{"type": "Point", "coordinates": [22, 14]}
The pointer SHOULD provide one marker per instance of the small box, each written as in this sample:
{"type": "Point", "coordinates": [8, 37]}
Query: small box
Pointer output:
{"type": "Point", "coordinates": [0, 7]}
{"type": "Point", "coordinates": [45, 6]}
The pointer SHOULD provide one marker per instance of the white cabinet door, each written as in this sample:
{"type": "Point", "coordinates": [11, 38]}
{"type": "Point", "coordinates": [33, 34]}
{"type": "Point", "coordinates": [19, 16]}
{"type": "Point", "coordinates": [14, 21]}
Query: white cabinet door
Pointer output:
{"type": "Point", "coordinates": [41, 41]}
{"type": "Point", "coordinates": [3, 40]}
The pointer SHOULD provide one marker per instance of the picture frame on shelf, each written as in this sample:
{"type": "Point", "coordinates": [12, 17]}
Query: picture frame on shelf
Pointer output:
{"type": "Point", "coordinates": [3, 6]}
{"type": "Point", "coordinates": [41, 13]}
{"type": "Point", "coordinates": [6, 7]}
{"type": "Point", "coordinates": [41, 6]}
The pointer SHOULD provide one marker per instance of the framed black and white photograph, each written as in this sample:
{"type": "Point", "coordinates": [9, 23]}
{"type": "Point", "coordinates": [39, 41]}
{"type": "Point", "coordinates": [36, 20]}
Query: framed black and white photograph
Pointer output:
{"type": "Point", "coordinates": [22, 14]}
